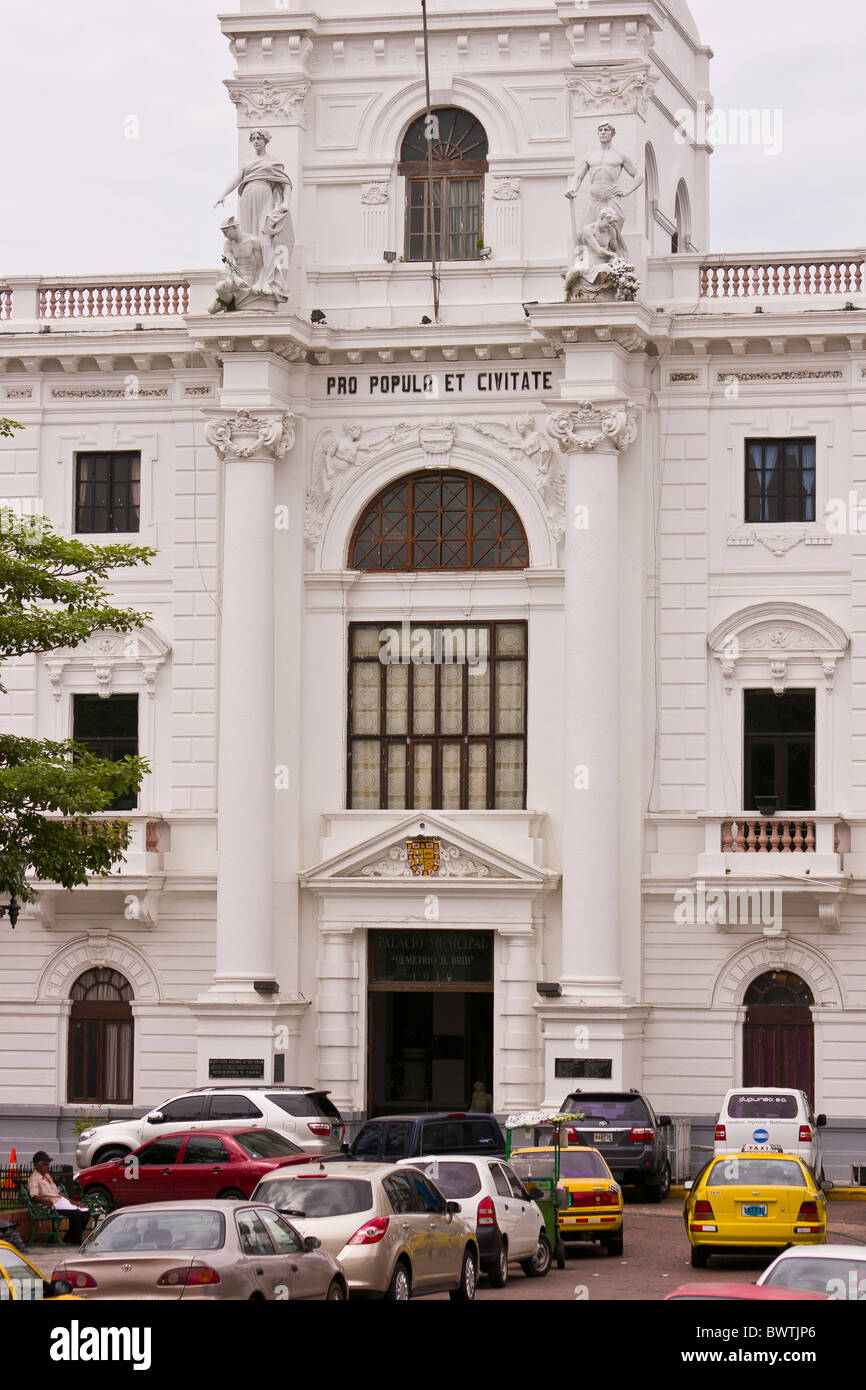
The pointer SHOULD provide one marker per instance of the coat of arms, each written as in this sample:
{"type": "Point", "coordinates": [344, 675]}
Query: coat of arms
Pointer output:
{"type": "Point", "coordinates": [423, 856]}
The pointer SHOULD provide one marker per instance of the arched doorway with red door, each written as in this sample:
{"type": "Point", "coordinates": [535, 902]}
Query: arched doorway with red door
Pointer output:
{"type": "Point", "coordinates": [779, 1035]}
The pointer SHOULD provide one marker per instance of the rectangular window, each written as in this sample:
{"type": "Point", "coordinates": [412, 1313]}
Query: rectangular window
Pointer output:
{"type": "Point", "coordinates": [437, 717]}
{"type": "Point", "coordinates": [780, 750]}
{"type": "Point", "coordinates": [780, 480]}
{"type": "Point", "coordinates": [458, 239]}
{"type": "Point", "coordinates": [107, 492]}
{"type": "Point", "coordinates": [108, 728]}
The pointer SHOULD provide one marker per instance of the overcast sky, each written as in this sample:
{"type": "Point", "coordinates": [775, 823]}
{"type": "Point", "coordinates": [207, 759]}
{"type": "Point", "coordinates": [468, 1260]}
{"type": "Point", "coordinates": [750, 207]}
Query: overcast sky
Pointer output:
{"type": "Point", "coordinates": [81, 196]}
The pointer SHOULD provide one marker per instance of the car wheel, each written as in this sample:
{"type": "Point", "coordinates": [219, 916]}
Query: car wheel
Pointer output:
{"type": "Point", "coordinates": [231, 1194]}
{"type": "Point", "coordinates": [465, 1291]}
{"type": "Point", "coordinates": [540, 1262]}
{"type": "Point", "coordinates": [658, 1191]}
{"type": "Point", "coordinates": [497, 1273]}
{"type": "Point", "coordinates": [99, 1198]}
{"type": "Point", "coordinates": [700, 1256]}
{"type": "Point", "coordinates": [109, 1154]}
{"type": "Point", "coordinates": [336, 1292]}
{"type": "Point", "coordinates": [613, 1244]}
{"type": "Point", "coordinates": [400, 1288]}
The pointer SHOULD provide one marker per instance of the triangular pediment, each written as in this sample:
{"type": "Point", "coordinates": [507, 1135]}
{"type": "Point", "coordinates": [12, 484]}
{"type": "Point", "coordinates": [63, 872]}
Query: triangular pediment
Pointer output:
{"type": "Point", "coordinates": [425, 848]}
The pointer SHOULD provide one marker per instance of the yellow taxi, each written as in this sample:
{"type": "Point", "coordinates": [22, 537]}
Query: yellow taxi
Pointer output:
{"type": "Point", "coordinates": [588, 1200]}
{"type": "Point", "coordinates": [21, 1281]}
{"type": "Point", "coordinates": [753, 1201]}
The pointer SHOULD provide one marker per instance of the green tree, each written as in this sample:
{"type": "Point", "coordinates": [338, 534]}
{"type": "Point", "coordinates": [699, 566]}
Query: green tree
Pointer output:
{"type": "Point", "coordinates": [52, 594]}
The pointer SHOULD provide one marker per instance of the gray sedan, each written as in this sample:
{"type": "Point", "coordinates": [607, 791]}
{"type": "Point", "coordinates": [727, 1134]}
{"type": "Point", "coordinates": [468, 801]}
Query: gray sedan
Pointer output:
{"type": "Point", "coordinates": [195, 1250]}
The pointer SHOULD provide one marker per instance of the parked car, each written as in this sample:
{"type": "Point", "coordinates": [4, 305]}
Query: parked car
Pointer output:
{"type": "Point", "coordinates": [740, 1293]}
{"type": "Point", "coordinates": [623, 1126]}
{"type": "Point", "coordinates": [394, 1233]}
{"type": "Point", "coordinates": [391, 1137]}
{"type": "Point", "coordinates": [304, 1114]}
{"type": "Point", "coordinates": [750, 1201]}
{"type": "Point", "coordinates": [492, 1199]}
{"type": "Point", "coordinates": [760, 1118]}
{"type": "Point", "coordinates": [214, 1250]}
{"type": "Point", "coordinates": [589, 1201]}
{"type": "Point", "coordinates": [836, 1271]}
{"type": "Point", "coordinates": [203, 1164]}
{"type": "Point", "coordinates": [21, 1281]}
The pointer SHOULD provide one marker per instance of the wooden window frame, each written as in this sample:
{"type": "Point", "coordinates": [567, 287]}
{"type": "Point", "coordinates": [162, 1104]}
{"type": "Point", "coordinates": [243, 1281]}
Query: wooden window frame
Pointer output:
{"type": "Point", "coordinates": [438, 740]}
{"type": "Point", "coordinates": [130, 510]}
{"type": "Point", "coordinates": [784, 469]}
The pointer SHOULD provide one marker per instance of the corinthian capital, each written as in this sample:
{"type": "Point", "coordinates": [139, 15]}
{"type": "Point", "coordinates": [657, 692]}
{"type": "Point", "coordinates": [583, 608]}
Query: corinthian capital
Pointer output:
{"type": "Point", "coordinates": [585, 426]}
{"type": "Point", "coordinates": [242, 435]}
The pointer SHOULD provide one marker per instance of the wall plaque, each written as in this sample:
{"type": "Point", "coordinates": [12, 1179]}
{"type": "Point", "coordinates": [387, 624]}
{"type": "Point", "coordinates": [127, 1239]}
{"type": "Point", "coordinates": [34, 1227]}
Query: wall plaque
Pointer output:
{"type": "Point", "coordinates": [430, 958]}
{"type": "Point", "coordinates": [601, 1068]}
{"type": "Point", "coordinates": [236, 1068]}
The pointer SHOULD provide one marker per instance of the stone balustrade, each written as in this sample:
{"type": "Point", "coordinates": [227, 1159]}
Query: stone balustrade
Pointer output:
{"type": "Point", "coordinates": [745, 278]}
{"type": "Point", "coordinates": [5, 303]}
{"type": "Point", "coordinates": [151, 300]}
{"type": "Point", "coordinates": [763, 836]}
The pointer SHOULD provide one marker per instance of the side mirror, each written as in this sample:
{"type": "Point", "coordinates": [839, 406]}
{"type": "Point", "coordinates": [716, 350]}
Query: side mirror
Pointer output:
{"type": "Point", "coordinates": [820, 1121]}
{"type": "Point", "coordinates": [452, 1208]}
{"type": "Point", "coordinates": [665, 1121]}
{"type": "Point", "coordinates": [688, 1185]}
{"type": "Point", "coordinates": [535, 1194]}
{"type": "Point", "coordinates": [344, 1147]}
{"type": "Point", "coordinates": [827, 1185]}
{"type": "Point", "coordinates": [57, 1288]}
{"type": "Point", "coordinates": [311, 1242]}
{"type": "Point", "coordinates": [155, 1117]}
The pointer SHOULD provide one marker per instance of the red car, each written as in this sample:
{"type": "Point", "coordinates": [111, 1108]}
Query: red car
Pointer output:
{"type": "Point", "coordinates": [200, 1163]}
{"type": "Point", "coordinates": [752, 1293]}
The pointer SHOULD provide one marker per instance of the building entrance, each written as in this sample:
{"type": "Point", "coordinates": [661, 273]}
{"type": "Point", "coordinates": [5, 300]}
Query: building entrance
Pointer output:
{"type": "Point", "coordinates": [778, 1037]}
{"type": "Point", "coordinates": [430, 1012]}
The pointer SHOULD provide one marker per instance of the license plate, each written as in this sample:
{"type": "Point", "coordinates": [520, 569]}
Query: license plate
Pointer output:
{"type": "Point", "coordinates": [754, 1208]}
{"type": "Point", "coordinates": [602, 1139]}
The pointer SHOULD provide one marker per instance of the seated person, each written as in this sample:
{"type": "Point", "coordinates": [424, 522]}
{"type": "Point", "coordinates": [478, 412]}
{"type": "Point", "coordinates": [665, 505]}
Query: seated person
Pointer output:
{"type": "Point", "coordinates": [43, 1189]}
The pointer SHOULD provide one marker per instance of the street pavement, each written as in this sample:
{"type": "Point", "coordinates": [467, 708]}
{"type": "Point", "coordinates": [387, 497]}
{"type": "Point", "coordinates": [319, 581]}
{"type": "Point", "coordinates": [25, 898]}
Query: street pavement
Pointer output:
{"type": "Point", "coordinates": [655, 1260]}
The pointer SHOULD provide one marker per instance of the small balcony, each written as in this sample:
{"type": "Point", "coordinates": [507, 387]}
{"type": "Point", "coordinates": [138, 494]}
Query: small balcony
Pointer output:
{"type": "Point", "coordinates": [788, 843]}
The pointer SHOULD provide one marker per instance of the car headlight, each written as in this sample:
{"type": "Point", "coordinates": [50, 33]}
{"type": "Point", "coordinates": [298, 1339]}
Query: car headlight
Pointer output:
{"type": "Point", "coordinates": [87, 1133]}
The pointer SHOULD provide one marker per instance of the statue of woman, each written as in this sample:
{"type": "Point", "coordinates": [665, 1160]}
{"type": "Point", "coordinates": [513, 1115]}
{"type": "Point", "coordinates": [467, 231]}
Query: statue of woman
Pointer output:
{"type": "Point", "coordinates": [263, 212]}
{"type": "Point", "coordinates": [598, 244]}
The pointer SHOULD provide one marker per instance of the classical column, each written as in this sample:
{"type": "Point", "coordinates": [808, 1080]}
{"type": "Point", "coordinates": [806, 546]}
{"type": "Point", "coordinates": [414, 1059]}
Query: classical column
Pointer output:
{"type": "Point", "coordinates": [337, 1032]}
{"type": "Point", "coordinates": [591, 436]}
{"type": "Point", "coordinates": [247, 443]}
{"type": "Point", "coordinates": [517, 1066]}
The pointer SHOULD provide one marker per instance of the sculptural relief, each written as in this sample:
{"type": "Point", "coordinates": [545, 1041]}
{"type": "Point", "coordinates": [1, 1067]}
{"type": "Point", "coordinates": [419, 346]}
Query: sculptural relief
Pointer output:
{"type": "Point", "coordinates": [599, 263]}
{"type": "Point", "coordinates": [334, 455]}
{"type": "Point", "coordinates": [262, 236]}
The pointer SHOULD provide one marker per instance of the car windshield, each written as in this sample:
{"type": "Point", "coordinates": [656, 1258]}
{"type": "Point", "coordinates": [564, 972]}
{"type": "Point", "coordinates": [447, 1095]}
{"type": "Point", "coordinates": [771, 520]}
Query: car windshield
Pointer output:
{"type": "Point", "coordinates": [582, 1164]}
{"type": "Point", "coordinates": [616, 1110]}
{"type": "Point", "coordinates": [837, 1276]}
{"type": "Point", "coordinates": [157, 1230]}
{"type": "Point", "coordinates": [306, 1105]}
{"type": "Point", "coordinates": [263, 1143]}
{"type": "Point", "coordinates": [756, 1172]}
{"type": "Point", "coordinates": [316, 1196]}
{"type": "Point", "coordinates": [764, 1107]}
{"type": "Point", "coordinates": [454, 1180]}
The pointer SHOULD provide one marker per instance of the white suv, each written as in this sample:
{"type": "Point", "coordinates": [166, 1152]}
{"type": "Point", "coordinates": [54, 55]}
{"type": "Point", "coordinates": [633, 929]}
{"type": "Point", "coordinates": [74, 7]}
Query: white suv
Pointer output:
{"type": "Point", "coordinates": [301, 1113]}
{"type": "Point", "coordinates": [507, 1223]}
{"type": "Point", "coordinates": [762, 1118]}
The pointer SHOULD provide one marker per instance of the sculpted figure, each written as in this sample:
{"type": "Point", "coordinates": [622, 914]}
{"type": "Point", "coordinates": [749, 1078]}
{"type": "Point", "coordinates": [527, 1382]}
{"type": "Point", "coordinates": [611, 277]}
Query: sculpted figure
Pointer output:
{"type": "Point", "coordinates": [242, 259]}
{"type": "Point", "coordinates": [263, 214]}
{"type": "Point", "coordinates": [524, 439]}
{"type": "Point", "coordinates": [598, 246]}
{"type": "Point", "coordinates": [605, 167]}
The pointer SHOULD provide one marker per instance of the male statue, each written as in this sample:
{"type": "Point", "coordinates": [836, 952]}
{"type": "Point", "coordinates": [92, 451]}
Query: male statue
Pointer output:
{"type": "Point", "coordinates": [605, 167]}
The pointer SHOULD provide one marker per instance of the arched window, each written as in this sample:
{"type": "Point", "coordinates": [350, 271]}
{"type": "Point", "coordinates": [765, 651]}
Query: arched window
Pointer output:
{"type": "Point", "coordinates": [100, 1038]}
{"type": "Point", "coordinates": [459, 165]}
{"type": "Point", "coordinates": [779, 989]}
{"type": "Point", "coordinates": [439, 521]}
{"type": "Point", "coordinates": [651, 179]}
{"type": "Point", "coordinates": [682, 237]}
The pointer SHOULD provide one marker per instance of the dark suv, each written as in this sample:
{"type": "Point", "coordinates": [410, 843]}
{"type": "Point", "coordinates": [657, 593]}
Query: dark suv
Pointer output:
{"type": "Point", "coordinates": [390, 1137]}
{"type": "Point", "coordinates": [625, 1129]}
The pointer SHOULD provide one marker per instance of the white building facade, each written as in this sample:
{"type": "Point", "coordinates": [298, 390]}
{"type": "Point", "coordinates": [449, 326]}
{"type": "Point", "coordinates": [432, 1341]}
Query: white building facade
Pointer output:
{"type": "Point", "coordinates": [475, 646]}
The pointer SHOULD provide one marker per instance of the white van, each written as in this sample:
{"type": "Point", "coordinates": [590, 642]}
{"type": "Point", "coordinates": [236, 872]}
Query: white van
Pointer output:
{"type": "Point", "coordinates": [765, 1118]}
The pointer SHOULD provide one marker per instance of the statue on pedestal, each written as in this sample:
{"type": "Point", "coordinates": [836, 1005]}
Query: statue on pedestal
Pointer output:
{"type": "Point", "coordinates": [600, 266]}
{"type": "Point", "coordinates": [242, 258]}
{"type": "Point", "coordinates": [265, 219]}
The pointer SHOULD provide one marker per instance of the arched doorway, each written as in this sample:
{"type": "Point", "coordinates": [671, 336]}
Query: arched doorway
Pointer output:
{"type": "Point", "coordinates": [100, 1038]}
{"type": "Point", "coordinates": [778, 1037]}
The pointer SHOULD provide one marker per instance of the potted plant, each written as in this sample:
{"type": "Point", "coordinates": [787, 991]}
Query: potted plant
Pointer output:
{"type": "Point", "coordinates": [767, 805]}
